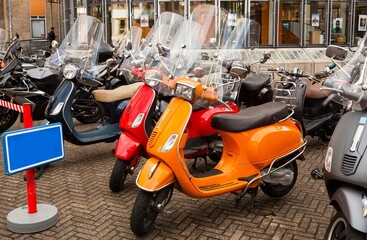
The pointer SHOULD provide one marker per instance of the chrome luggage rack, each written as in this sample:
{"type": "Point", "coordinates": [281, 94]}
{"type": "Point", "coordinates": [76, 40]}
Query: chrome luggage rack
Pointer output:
{"type": "Point", "coordinates": [286, 92]}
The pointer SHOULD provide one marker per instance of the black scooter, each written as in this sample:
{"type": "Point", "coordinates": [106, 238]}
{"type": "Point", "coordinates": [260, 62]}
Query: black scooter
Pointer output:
{"type": "Point", "coordinates": [317, 111]}
{"type": "Point", "coordinates": [346, 160]}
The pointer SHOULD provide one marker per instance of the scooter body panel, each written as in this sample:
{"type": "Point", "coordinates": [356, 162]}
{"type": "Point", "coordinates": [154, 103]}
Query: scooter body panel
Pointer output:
{"type": "Point", "coordinates": [141, 105]}
{"type": "Point", "coordinates": [349, 200]}
{"type": "Point", "coordinates": [348, 144]}
{"type": "Point", "coordinates": [128, 147]}
{"type": "Point", "coordinates": [155, 175]}
{"type": "Point", "coordinates": [199, 123]}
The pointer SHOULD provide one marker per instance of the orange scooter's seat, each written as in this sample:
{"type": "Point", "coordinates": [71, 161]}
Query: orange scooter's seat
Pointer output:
{"type": "Point", "coordinates": [252, 117]}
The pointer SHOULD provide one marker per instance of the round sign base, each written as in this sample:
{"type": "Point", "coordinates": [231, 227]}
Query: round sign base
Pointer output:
{"type": "Point", "coordinates": [20, 221]}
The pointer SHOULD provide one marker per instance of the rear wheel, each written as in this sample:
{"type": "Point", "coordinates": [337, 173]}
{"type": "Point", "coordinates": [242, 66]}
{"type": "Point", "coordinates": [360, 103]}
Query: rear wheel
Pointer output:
{"type": "Point", "coordinates": [340, 228]}
{"type": "Point", "coordinates": [118, 175]}
{"type": "Point", "coordinates": [7, 118]}
{"type": "Point", "coordinates": [279, 190]}
{"type": "Point", "coordinates": [146, 208]}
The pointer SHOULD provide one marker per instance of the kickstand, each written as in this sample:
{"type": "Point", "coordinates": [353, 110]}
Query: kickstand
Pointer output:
{"type": "Point", "coordinates": [194, 164]}
{"type": "Point", "coordinates": [195, 160]}
{"type": "Point", "coordinates": [251, 208]}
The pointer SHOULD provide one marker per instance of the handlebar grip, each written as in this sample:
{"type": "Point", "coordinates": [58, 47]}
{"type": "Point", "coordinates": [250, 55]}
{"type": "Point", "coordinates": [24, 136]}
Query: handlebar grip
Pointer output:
{"type": "Point", "coordinates": [272, 69]}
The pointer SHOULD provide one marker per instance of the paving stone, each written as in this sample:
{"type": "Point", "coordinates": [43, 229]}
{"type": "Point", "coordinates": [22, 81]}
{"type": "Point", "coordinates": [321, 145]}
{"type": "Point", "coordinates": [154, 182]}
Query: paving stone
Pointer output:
{"type": "Point", "coordinates": [78, 187]}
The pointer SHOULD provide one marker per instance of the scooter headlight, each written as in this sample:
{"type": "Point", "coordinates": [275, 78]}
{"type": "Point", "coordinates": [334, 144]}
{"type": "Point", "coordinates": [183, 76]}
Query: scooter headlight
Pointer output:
{"type": "Point", "coordinates": [70, 71]}
{"type": "Point", "coordinates": [184, 91]}
{"type": "Point", "coordinates": [169, 143]}
{"type": "Point", "coordinates": [328, 159]}
{"type": "Point", "coordinates": [57, 109]}
{"type": "Point", "coordinates": [364, 206]}
{"type": "Point", "coordinates": [138, 120]}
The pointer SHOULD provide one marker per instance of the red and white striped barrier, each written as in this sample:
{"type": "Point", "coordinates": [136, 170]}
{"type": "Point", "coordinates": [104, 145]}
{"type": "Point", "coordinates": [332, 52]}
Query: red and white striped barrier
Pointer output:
{"type": "Point", "coordinates": [12, 106]}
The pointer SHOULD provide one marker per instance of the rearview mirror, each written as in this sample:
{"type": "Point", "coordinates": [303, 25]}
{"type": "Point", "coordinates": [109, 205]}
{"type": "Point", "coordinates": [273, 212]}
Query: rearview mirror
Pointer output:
{"type": "Point", "coordinates": [336, 52]}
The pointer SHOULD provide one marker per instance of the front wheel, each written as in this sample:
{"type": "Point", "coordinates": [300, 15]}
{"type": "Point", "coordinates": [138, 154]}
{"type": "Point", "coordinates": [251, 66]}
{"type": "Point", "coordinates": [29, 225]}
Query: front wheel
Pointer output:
{"type": "Point", "coordinates": [277, 190]}
{"type": "Point", "coordinates": [118, 175]}
{"type": "Point", "coordinates": [340, 228]}
{"type": "Point", "coordinates": [146, 208]}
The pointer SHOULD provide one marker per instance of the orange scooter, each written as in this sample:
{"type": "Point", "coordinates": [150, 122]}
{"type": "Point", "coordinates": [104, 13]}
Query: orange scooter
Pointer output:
{"type": "Point", "coordinates": [261, 145]}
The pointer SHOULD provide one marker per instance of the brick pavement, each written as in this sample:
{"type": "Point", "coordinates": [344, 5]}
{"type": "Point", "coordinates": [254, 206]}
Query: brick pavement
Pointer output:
{"type": "Point", "coordinates": [78, 187]}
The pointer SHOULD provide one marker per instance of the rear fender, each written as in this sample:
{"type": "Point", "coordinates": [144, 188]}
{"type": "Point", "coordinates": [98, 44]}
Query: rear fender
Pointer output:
{"type": "Point", "coordinates": [128, 147]}
{"type": "Point", "coordinates": [155, 175]}
{"type": "Point", "coordinates": [349, 201]}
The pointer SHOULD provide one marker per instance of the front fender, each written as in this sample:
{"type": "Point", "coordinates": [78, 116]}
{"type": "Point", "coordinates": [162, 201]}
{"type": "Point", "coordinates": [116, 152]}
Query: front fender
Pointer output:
{"type": "Point", "coordinates": [155, 175]}
{"type": "Point", "coordinates": [349, 200]}
{"type": "Point", "coordinates": [128, 147]}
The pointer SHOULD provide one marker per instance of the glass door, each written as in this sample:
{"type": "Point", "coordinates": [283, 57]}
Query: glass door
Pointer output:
{"type": "Point", "coordinates": [315, 22]}
{"type": "Point", "coordinates": [340, 22]}
{"type": "Point", "coordinates": [143, 15]}
{"type": "Point", "coordinates": [262, 12]}
{"type": "Point", "coordinates": [289, 22]}
{"type": "Point", "coordinates": [360, 19]}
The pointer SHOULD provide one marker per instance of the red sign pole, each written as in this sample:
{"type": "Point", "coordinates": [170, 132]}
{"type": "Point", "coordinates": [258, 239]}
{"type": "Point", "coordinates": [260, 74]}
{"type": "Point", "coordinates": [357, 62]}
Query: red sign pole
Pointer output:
{"type": "Point", "coordinates": [31, 173]}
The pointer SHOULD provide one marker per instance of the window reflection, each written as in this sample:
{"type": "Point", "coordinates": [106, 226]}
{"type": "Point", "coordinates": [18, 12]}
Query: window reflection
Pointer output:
{"type": "Point", "coordinates": [289, 23]}
{"type": "Point", "coordinates": [339, 22]}
{"type": "Point", "coordinates": [262, 12]}
{"type": "Point", "coordinates": [315, 22]}
{"type": "Point", "coordinates": [143, 16]}
{"type": "Point", "coordinates": [360, 21]}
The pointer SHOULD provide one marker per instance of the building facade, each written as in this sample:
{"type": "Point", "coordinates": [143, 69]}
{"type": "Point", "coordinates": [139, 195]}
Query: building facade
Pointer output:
{"type": "Point", "coordinates": [284, 23]}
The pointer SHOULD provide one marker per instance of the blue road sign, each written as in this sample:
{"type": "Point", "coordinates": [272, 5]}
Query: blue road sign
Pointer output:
{"type": "Point", "coordinates": [32, 147]}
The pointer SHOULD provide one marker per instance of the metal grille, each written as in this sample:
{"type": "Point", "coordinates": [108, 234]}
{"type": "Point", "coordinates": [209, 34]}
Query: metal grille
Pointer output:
{"type": "Point", "coordinates": [349, 164]}
{"type": "Point", "coordinates": [286, 92]}
{"type": "Point", "coordinates": [151, 138]}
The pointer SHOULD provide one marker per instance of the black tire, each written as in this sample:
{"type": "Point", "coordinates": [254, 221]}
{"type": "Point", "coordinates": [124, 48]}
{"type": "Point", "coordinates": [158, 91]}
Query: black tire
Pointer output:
{"type": "Point", "coordinates": [85, 109]}
{"type": "Point", "coordinates": [7, 118]}
{"type": "Point", "coordinates": [277, 191]}
{"type": "Point", "coordinates": [328, 129]}
{"type": "Point", "coordinates": [91, 116]}
{"type": "Point", "coordinates": [145, 209]}
{"type": "Point", "coordinates": [340, 228]}
{"type": "Point", "coordinates": [118, 175]}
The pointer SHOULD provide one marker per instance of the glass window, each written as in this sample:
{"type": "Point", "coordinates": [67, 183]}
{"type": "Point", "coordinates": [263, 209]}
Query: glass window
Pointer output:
{"type": "Point", "coordinates": [289, 22]}
{"type": "Point", "coordinates": [194, 4]}
{"type": "Point", "coordinates": [143, 16]}
{"type": "Point", "coordinates": [340, 22]}
{"type": "Point", "coordinates": [262, 12]}
{"type": "Point", "coordinates": [175, 6]}
{"type": "Point", "coordinates": [315, 27]}
{"type": "Point", "coordinates": [360, 21]}
{"type": "Point", "coordinates": [38, 28]}
{"type": "Point", "coordinates": [119, 22]}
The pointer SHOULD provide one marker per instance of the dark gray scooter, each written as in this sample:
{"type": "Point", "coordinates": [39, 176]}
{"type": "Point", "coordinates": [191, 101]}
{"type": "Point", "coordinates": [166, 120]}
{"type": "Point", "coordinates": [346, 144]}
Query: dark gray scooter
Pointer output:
{"type": "Point", "coordinates": [345, 166]}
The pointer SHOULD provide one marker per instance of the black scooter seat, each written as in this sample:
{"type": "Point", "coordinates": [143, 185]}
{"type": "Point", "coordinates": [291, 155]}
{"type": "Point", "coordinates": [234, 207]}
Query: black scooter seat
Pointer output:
{"type": "Point", "coordinates": [250, 118]}
{"type": "Point", "coordinates": [256, 82]}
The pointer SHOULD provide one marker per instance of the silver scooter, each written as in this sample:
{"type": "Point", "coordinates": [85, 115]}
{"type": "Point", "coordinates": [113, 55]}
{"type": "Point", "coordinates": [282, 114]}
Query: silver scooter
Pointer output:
{"type": "Point", "coordinates": [345, 163]}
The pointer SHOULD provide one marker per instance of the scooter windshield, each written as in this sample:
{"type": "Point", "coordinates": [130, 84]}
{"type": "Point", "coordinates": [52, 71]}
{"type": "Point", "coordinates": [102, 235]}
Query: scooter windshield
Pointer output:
{"type": "Point", "coordinates": [189, 43]}
{"type": "Point", "coordinates": [157, 42]}
{"type": "Point", "coordinates": [80, 45]}
{"type": "Point", "coordinates": [131, 37]}
{"type": "Point", "coordinates": [225, 73]}
{"type": "Point", "coordinates": [351, 79]}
